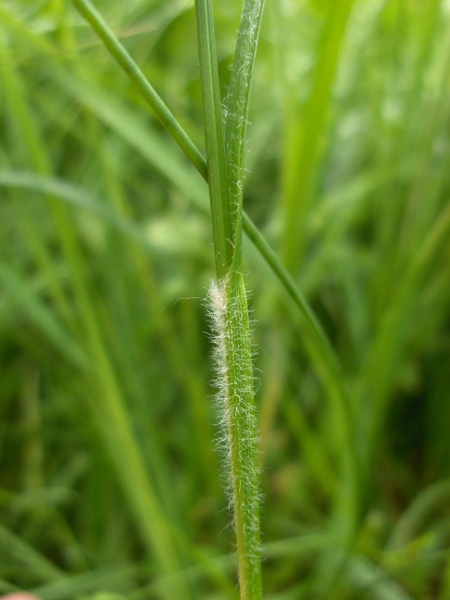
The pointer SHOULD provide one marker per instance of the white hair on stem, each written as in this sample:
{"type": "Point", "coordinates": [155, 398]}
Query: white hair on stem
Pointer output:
{"type": "Point", "coordinates": [237, 438]}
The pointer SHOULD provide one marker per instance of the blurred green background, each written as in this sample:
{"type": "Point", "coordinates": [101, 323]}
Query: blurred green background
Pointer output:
{"type": "Point", "coordinates": [110, 485]}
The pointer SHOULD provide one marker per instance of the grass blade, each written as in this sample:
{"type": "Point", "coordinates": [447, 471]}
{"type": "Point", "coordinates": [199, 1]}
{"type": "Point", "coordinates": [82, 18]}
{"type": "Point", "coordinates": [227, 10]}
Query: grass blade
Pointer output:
{"type": "Point", "coordinates": [221, 210]}
{"type": "Point", "coordinates": [116, 49]}
{"type": "Point", "coordinates": [238, 108]}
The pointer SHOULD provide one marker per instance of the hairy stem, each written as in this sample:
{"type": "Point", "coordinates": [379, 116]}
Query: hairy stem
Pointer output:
{"type": "Point", "coordinates": [238, 439]}
{"type": "Point", "coordinates": [231, 323]}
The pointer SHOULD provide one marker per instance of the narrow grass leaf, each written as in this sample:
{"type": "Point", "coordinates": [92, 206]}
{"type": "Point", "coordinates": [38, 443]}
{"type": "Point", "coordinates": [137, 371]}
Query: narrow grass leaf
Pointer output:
{"type": "Point", "coordinates": [237, 110]}
{"type": "Point", "coordinates": [221, 210]}
{"type": "Point", "coordinates": [145, 88]}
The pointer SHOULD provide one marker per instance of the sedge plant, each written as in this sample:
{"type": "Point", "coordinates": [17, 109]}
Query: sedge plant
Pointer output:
{"type": "Point", "coordinates": [228, 298]}
{"type": "Point", "coordinates": [349, 182]}
{"type": "Point", "coordinates": [228, 307]}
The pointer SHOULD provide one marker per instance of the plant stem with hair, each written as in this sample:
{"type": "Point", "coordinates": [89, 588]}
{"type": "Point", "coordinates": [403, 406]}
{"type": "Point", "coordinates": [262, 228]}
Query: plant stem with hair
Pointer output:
{"type": "Point", "coordinates": [228, 297]}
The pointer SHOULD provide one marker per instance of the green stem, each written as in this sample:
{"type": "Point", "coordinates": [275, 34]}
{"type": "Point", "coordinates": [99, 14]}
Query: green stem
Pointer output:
{"type": "Point", "coordinates": [234, 378]}
{"type": "Point", "coordinates": [147, 91]}
{"type": "Point", "coordinates": [232, 332]}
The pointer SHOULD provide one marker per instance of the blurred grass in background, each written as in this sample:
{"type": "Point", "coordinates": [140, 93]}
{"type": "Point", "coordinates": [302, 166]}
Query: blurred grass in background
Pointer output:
{"type": "Point", "coordinates": [110, 484]}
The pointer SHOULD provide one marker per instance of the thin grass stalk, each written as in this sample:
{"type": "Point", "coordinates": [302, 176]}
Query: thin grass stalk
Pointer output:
{"type": "Point", "coordinates": [93, 17]}
{"type": "Point", "coordinates": [231, 322]}
{"type": "Point", "coordinates": [238, 438]}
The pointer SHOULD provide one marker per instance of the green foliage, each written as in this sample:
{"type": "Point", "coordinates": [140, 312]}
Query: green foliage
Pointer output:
{"type": "Point", "coordinates": [110, 485]}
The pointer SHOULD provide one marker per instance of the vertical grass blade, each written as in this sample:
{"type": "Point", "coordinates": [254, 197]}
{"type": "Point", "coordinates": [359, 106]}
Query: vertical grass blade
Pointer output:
{"type": "Point", "coordinates": [237, 110]}
{"type": "Point", "coordinates": [221, 212]}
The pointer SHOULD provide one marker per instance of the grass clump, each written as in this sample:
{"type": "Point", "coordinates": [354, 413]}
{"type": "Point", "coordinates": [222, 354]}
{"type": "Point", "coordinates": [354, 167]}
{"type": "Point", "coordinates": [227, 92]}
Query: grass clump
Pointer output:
{"type": "Point", "coordinates": [109, 482]}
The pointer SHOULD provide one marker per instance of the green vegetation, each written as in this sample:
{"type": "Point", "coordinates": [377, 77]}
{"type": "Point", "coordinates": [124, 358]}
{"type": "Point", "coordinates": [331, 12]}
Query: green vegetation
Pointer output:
{"type": "Point", "coordinates": [110, 483]}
